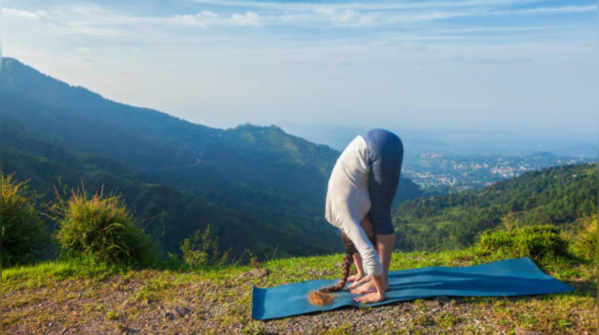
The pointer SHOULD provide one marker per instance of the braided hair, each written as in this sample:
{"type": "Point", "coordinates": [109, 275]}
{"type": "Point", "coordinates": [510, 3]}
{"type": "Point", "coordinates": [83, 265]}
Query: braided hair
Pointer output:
{"type": "Point", "coordinates": [325, 296]}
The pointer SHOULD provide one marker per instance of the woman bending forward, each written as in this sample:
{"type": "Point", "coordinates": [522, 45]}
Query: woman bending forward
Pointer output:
{"type": "Point", "coordinates": [361, 189]}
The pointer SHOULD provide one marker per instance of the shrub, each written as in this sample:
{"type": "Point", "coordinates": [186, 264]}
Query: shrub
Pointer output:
{"type": "Point", "coordinates": [586, 241]}
{"type": "Point", "coordinates": [23, 232]}
{"type": "Point", "coordinates": [201, 250]}
{"type": "Point", "coordinates": [538, 242]}
{"type": "Point", "coordinates": [100, 228]}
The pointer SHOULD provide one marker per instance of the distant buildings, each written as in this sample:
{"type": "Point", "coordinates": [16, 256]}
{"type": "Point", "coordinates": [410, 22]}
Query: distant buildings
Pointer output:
{"type": "Point", "coordinates": [460, 173]}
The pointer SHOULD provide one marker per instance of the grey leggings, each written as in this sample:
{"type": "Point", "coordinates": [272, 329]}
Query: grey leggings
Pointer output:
{"type": "Point", "coordinates": [385, 156]}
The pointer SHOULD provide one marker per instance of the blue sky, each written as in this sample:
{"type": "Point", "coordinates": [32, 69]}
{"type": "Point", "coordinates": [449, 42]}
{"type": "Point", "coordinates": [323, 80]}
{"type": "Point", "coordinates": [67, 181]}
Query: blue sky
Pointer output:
{"type": "Point", "coordinates": [463, 64]}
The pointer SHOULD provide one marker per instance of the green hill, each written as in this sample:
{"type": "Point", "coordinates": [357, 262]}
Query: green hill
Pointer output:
{"type": "Point", "coordinates": [202, 159]}
{"type": "Point", "coordinates": [559, 196]}
{"type": "Point", "coordinates": [167, 213]}
{"type": "Point", "coordinates": [258, 186]}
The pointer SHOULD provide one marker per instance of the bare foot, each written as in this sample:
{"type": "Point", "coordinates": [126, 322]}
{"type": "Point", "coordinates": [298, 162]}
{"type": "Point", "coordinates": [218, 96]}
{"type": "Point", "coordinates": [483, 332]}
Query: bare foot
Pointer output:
{"type": "Point", "coordinates": [370, 297]}
{"type": "Point", "coordinates": [359, 282]}
{"type": "Point", "coordinates": [366, 287]}
{"type": "Point", "coordinates": [355, 278]}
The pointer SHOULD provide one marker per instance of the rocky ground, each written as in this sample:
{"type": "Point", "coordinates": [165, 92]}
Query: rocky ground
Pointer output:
{"type": "Point", "coordinates": [219, 302]}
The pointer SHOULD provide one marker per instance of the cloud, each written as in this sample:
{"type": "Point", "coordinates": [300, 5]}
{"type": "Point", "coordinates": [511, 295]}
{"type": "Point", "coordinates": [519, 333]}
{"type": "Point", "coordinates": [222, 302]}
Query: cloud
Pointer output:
{"type": "Point", "coordinates": [551, 10]}
{"type": "Point", "coordinates": [210, 19]}
{"type": "Point", "coordinates": [362, 6]}
{"type": "Point", "coordinates": [22, 14]}
{"type": "Point", "coordinates": [384, 13]}
{"type": "Point", "coordinates": [415, 21]}
{"type": "Point", "coordinates": [435, 16]}
{"type": "Point", "coordinates": [346, 16]}
{"type": "Point", "coordinates": [202, 19]}
{"type": "Point", "coordinates": [247, 19]}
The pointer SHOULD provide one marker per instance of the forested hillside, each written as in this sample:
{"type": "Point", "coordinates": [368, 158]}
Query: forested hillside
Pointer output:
{"type": "Point", "coordinates": [167, 213]}
{"type": "Point", "coordinates": [257, 186]}
{"type": "Point", "coordinates": [558, 196]}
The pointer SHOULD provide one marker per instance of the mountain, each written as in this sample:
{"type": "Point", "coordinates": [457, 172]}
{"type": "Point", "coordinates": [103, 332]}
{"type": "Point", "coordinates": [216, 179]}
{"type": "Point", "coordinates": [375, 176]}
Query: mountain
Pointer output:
{"type": "Point", "coordinates": [167, 213]}
{"type": "Point", "coordinates": [268, 180]}
{"type": "Point", "coordinates": [559, 196]}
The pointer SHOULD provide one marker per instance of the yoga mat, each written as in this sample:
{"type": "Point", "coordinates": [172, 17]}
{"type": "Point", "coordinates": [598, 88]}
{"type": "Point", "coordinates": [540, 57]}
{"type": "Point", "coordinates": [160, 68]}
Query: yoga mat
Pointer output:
{"type": "Point", "coordinates": [506, 278]}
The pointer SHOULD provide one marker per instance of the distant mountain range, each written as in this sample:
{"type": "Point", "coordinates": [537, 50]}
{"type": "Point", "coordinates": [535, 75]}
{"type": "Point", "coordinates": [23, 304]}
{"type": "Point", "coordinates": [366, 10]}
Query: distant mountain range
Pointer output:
{"type": "Point", "coordinates": [463, 142]}
{"type": "Point", "coordinates": [560, 196]}
{"type": "Point", "coordinates": [259, 187]}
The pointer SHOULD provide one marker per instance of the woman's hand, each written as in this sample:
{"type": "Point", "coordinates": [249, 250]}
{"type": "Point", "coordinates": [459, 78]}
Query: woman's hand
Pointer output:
{"type": "Point", "coordinates": [378, 295]}
{"type": "Point", "coordinates": [370, 298]}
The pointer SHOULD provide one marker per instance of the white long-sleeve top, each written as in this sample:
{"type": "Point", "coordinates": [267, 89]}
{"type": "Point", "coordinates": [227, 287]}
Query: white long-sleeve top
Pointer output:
{"type": "Point", "coordinates": [348, 201]}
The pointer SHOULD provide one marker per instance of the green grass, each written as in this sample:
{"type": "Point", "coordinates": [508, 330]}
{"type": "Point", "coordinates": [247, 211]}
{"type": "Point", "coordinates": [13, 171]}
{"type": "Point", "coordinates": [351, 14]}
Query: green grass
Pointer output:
{"type": "Point", "coordinates": [51, 272]}
{"type": "Point", "coordinates": [282, 270]}
{"type": "Point", "coordinates": [58, 283]}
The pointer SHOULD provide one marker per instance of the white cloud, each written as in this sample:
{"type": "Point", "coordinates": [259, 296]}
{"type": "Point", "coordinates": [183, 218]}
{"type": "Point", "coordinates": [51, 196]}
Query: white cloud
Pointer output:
{"type": "Point", "coordinates": [23, 14]}
{"type": "Point", "coordinates": [552, 10]}
{"type": "Point", "coordinates": [202, 19]}
{"type": "Point", "coordinates": [247, 19]}
{"type": "Point", "coordinates": [83, 50]}
{"type": "Point", "coordinates": [206, 19]}
{"type": "Point", "coordinates": [368, 6]}
{"type": "Point", "coordinates": [412, 18]}
{"type": "Point", "coordinates": [346, 16]}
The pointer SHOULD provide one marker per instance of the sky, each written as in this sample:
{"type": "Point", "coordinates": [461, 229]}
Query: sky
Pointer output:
{"type": "Point", "coordinates": [439, 64]}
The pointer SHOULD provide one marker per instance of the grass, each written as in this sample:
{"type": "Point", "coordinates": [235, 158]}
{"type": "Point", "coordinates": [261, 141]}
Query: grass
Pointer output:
{"type": "Point", "coordinates": [121, 297]}
{"type": "Point", "coordinates": [52, 272]}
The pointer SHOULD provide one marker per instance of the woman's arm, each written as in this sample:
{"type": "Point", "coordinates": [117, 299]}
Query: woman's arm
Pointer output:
{"type": "Point", "coordinates": [370, 259]}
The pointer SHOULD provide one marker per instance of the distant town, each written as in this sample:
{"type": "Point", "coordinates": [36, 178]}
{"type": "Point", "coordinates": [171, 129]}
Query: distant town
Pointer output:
{"type": "Point", "coordinates": [442, 173]}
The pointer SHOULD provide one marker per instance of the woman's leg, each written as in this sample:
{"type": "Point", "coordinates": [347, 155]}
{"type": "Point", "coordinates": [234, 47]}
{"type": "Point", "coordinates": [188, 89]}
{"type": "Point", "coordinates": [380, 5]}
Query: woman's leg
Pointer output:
{"type": "Point", "coordinates": [368, 228]}
{"type": "Point", "coordinates": [386, 156]}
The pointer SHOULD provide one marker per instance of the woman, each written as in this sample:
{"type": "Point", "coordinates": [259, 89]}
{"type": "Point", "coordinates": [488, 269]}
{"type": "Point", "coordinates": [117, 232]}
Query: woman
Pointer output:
{"type": "Point", "coordinates": [362, 188]}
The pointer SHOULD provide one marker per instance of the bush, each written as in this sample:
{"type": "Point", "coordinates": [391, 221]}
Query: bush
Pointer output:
{"type": "Point", "coordinates": [100, 228]}
{"type": "Point", "coordinates": [201, 250]}
{"type": "Point", "coordinates": [537, 242]}
{"type": "Point", "coordinates": [586, 241]}
{"type": "Point", "coordinates": [23, 232]}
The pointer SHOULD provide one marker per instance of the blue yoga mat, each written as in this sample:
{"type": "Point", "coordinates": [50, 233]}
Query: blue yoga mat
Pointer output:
{"type": "Point", "coordinates": [507, 278]}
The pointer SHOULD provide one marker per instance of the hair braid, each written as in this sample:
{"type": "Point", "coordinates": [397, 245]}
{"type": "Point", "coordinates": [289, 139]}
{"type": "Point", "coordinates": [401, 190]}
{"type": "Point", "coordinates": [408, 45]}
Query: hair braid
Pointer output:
{"type": "Point", "coordinates": [324, 296]}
